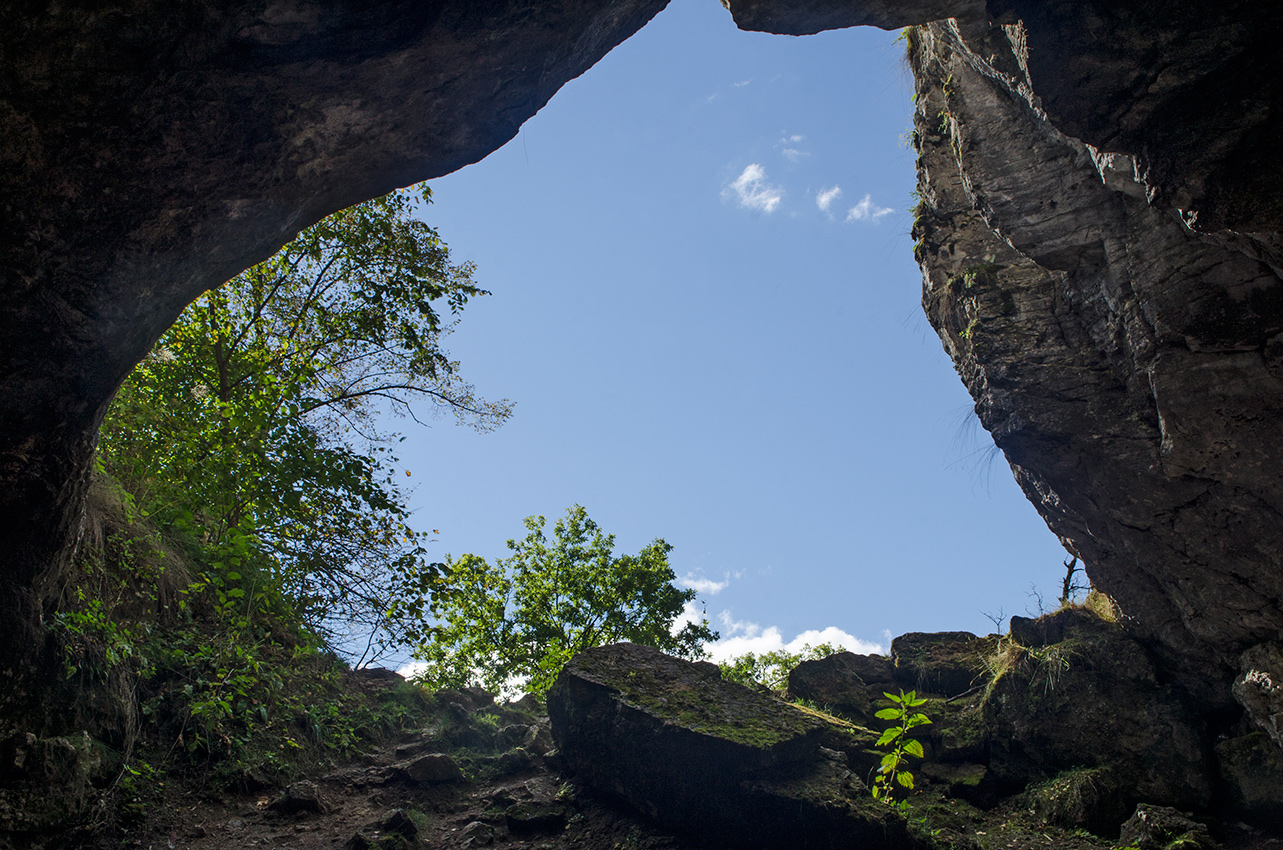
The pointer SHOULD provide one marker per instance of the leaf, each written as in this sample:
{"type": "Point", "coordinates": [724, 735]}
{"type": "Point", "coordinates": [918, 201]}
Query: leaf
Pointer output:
{"type": "Point", "coordinates": [913, 748]}
{"type": "Point", "coordinates": [905, 778]}
{"type": "Point", "coordinates": [889, 735]}
{"type": "Point", "coordinates": [889, 714]}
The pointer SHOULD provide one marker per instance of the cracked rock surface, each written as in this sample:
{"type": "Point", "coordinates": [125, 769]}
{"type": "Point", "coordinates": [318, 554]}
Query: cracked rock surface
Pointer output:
{"type": "Point", "coordinates": [1130, 368]}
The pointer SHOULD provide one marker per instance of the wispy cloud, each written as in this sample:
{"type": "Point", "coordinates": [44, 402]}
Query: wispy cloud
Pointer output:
{"type": "Point", "coordinates": [824, 200]}
{"type": "Point", "coordinates": [699, 584]}
{"type": "Point", "coordinates": [751, 190]}
{"type": "Point", "coordinates": [743, 83]}
{"type": "Point", "coordinates": [790, 147]}
{"type": "Point", "coordinates": [866, 210]}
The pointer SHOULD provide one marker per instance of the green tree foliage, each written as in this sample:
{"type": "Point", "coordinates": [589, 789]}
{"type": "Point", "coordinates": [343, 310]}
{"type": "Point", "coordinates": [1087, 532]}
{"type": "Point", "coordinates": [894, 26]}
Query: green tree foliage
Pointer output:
{"type": "Point", "coordinates": [771, 669]}
{"type": "Point", "coordinates": [520, 619]}
{"type": "Point", "coordinates": [252, 430]}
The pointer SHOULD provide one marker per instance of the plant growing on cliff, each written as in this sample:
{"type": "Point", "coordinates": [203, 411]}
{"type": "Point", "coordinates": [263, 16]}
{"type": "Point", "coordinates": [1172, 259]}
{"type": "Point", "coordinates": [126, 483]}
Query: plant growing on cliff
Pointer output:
{"type": "Point", "coordinates": [894, 771]}
{"type": "Point", "coordinates": [520, 619]}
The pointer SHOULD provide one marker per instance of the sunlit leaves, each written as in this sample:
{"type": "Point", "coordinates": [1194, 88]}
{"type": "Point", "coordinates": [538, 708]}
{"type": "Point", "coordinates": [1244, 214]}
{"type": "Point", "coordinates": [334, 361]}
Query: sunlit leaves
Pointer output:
{"type": "Point", "coordinates": [518, 621]}
{"type": "Point", "coordinates": [893, 770]}
{"type": "Point", "coordinates": [254, 424]}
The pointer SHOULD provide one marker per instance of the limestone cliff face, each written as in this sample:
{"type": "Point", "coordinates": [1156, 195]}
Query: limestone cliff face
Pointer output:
{"type": "Point", "coordinates": [1131, 368]}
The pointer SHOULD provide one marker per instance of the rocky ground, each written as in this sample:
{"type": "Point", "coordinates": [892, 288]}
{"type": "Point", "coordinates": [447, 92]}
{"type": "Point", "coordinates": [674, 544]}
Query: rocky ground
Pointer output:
{"type": "Point", "coordinates": [1057, 735]}
{"type": "Point", "coordinates": [404, 795]}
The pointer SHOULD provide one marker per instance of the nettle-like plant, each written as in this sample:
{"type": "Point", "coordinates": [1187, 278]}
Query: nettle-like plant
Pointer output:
{"type": "Point", "coordinates": [894, 770]}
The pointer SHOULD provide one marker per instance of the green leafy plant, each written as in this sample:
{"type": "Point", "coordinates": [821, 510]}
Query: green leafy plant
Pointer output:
{"type": "Point", "coordinates": [893, 772]}
{"type": "Point", "coordinates": [516, 622]}
{"type": "Point", "coordinates": [252, 430]}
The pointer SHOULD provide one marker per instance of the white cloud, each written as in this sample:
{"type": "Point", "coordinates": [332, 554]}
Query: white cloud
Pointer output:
{"type": "Point", "coordinates": [699, 584]}
{"type": "Point", "coordinates": [788, 147]}
{"type": "Point", "coordinates": [825, 199]}
{"type": "Point", "coordinates": [412, 668]}
{"type": "Point", "coordinates": [740, 637]}
{"type": "Point", "coordinates": [743, 83]}
{"type": "Point", "coordinates": [866, 210]}
{"type": "Point", "coordinates": [751, 191]}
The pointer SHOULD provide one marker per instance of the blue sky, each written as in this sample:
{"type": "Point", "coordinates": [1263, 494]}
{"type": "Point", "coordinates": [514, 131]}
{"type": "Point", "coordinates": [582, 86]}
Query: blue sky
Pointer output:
{"type": "Point", "coordinates": [706, 309]}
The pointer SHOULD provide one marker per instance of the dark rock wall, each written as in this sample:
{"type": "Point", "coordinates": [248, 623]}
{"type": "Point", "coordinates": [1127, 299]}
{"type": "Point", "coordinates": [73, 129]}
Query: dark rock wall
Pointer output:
{"type": "Point", "coordinates": [1130, 368]}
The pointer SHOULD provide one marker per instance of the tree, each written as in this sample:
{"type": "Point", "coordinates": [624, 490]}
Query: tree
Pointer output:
{"type": "Point", "coordinates": [525, 616]}
{"type": "Point", "coordinates": [252, 427]}
{"type": "Point", "coordinates": [771, 669]}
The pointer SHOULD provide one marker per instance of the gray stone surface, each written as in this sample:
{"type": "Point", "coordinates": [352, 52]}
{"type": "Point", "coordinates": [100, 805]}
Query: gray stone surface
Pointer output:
{"type": "Point", "coordinates": [713, 758]}
{"type": "Point", "coordinates": [833, 685]}
{"type": "Point", "coordinates": [432, 768]}
{"type": "Point", "coordinates": [1130, 369]}
{"type": "Point", "coordinates": [1095, 700]}
{"type": "Point", "coordinates": [946, 663]}
{"type": "Point", "coordinates": [1259, 688]}
{"type": "Point", "coordinates": [1161, 827]}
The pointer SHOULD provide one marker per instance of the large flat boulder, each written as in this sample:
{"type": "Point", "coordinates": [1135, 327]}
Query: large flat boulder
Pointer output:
{"type": "Point", "coordinates": [705, 756]}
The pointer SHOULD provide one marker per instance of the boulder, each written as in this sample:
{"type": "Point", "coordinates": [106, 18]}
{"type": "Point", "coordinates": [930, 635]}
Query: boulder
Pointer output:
{"type": "Point", "coordinates": [476, 834]}
{"type": "Point", "coordinates": [1164, 828]}
{"type": "Point", "coordinates": [1081, 798]}
{"type": "Point", "coordinates": [1038, 631]}
{"type": "Point", "coordinates": [831, 684]}
{"type": "Point", "coordinates": [1259, 687]}
{"type": "Point", "coordinates": [302, 796]}
{"type": "Point", "coordinates": [1250, 768]}
{"type": "Point", "coordinates": [534, 817]}
{"type": "Point", "coordinates": [710, 757]}
{"type": "Point", "coordinates": [945, 663]}
{"type": "Point", "coordinates": [1093, 700]}
{"type": "Point", "coordinates": [471, 699]}
{"type": "Point", "coordinates": [431, 769]}
{"type": "Point", "coordinates": [970, 782]}
{"type": "Point", "coordinates": [514, 761]}
{"type": "Point", "coordinates": [877, 671]}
